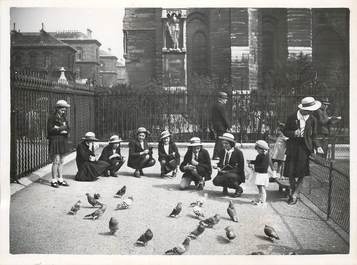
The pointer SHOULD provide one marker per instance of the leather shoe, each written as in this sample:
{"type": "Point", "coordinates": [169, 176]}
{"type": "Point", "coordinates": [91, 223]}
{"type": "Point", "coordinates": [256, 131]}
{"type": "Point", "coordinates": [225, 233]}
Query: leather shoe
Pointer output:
{"type": "Point", "coordinates": [54, 184]}
{"type": "Point", "coordinates": [225, 191]}
{"type": "Point", "coordinates": [293, 201]}
{"type": "Point", "coordinates": [137, 174]}
{"type": "Point", "coordinates": [63, 183]}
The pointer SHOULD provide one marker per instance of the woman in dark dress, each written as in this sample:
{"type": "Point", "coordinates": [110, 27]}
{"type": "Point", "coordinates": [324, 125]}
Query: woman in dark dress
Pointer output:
{"type": "Point", "coordinates": [140, 153]}
{"type": "Point", "coordinates": [57, 131]}
{"type": "Point", "coordinates": [112, 155]}
{"type": "Point", "coordinates": [230, 166]}
{"type": "Point", "coordinates": [169, 156]}
{"type": "Point", "coordinates": [196, 165]}
{"type": "Point", "coordinates": [88, 168]}
{"type": "Point", "coordinates": [301, 128]}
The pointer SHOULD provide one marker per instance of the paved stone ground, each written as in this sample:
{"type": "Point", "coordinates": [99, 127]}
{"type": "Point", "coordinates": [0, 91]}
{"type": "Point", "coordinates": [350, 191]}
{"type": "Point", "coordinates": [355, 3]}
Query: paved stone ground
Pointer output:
{"type": "Point", "coordinates": [39, 223]}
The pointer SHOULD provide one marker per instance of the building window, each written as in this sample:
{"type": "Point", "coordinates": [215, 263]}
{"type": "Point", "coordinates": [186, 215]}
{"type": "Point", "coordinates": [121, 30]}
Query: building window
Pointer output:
{"type": "Point", "coordinates": [125, 42]}
{"type": "Point", "coordinates": [79, 54]}
{"type": "Point", "coordinates": [199, 53]}
{"type": "Point", "coordinates": [18, 60]}
{"type": "Point", "coordinates": [97, 54]}
{"type": "Point", "coordinates": [33, 60]}
{"type": "Point", "coordinates": [46, 60]}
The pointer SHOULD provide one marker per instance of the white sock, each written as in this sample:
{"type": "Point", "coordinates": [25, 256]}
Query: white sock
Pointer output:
{"type": "Point", "coordinates": [54, 180]}
{"type": "Point", "coordinates": [60, 179]}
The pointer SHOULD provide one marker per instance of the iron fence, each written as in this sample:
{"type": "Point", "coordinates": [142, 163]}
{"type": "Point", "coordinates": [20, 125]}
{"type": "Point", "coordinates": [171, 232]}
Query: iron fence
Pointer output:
{"type": "Point", "coordinates": [328, 188]}
{"type": "Point", "coordinates": [32, 100]}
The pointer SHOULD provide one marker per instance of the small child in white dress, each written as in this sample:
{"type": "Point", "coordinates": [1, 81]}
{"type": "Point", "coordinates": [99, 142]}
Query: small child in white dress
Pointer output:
{"type": "Point", "coordinates": [261, 164]}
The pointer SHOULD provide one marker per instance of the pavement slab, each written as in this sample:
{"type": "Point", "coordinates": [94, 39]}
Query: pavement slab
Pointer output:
{"type": "Point", "coordinates": [39, 223]}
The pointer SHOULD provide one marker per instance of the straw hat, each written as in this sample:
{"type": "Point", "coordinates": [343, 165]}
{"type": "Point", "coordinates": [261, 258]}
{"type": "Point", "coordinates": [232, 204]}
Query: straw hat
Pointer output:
{"type": "Point", "coordinates": [165, 134]}
{"type": "Point", "coordinates": [228, 137]}
{"type": "Point", "coordinates": [222, 95]}
{"type": "Point", "coordinates": [262, 144]}
{"type": "Point", "coordinates": [62, 104]}
{"type": "Point", "coordinates": [115, 139]}
{"type": "Point", "coordinates": [309, 103]}
{"type": "Point", "coordinates": [142, 130]}
{"type": "Point", "coordinates": [195, 141]}
{"type": "Point", "coordinates": [89, 136]}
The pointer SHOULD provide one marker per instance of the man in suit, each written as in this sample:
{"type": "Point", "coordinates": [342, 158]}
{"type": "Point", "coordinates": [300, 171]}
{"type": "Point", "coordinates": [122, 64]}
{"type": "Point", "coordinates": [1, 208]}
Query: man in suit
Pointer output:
{"type": "Point", "coordinates": [219, 121]}
{"type": "Point", "coordinates": [111, 154]}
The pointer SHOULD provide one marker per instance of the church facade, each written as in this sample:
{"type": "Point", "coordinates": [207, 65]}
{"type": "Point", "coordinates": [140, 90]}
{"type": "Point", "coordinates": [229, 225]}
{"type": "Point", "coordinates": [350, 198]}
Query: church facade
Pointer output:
{"type": "Point", "coordinates": [246, 47]}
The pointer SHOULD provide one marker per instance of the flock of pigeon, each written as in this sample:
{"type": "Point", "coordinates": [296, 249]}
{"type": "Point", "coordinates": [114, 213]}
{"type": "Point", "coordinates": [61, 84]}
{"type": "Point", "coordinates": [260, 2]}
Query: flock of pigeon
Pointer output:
{"type": "Point", "coordinates": [148, 234]}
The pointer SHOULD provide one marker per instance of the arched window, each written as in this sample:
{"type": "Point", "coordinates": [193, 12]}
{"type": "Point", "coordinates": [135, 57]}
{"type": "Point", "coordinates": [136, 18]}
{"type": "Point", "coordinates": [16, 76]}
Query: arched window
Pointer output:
{"type": "Point", "coordinates": [46, 60]}
{"type": "Point", "coordinates": [33, 60]}
{"type": "Point", "coordinates": [79, 54]}
{"type": "Point", "coordinates": [199, 53]}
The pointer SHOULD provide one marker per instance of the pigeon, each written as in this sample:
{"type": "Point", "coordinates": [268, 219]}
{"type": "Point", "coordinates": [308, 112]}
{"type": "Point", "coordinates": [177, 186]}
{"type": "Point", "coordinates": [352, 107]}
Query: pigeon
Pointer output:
{"type": "Point", "coordinates": [97, 213]}
{"type": "Point", "coordinates": [232, 212]}
{"type": "Point", "coordinates": [271, 233]}
{"type": "Point", "coordinates": [176, 211]}
{"type": "Point", "coordinates": [179, 250]}
{"type": "Point", "coordinates": [145, 238]}
{"type": "Point", "coordinates": [96, 196]}
{"type": "Point", "coordinates": [113, 225]}
{"type": "Point", "coordinates": [257, 253]}
{"type": "Point", "coordinates": [230, 233]}
{"type": "Point", "coordinates": [197, 210]}
{"type": "Point", "coordinates": [120, 192]}
{"type": "Point", "coordinates": [210, 222]}
{"type": "Point", "coordinates": [200, 201]}
{"type": "Point", "coordinates": [92, 201]}
{"type": "Point", "coordinates": [198, 231]}
{"type": "Point", "coordinates": [75, 208]}
{"type": "Point", "coordinates": [125, 204]}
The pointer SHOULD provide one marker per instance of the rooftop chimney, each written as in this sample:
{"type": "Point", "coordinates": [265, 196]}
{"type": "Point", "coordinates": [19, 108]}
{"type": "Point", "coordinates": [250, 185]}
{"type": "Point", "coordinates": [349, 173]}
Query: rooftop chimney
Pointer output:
{"type": "Point", "coordinates": [89, 33]}
{"type": "Point", "coordinates": [42, 26]}
{"type": "Point", "coordinates": [14, 27]}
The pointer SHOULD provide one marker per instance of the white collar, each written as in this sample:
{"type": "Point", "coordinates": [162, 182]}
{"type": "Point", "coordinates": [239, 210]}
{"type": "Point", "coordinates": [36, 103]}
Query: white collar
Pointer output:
{"type": "Point", "coordinates": [302, 117]}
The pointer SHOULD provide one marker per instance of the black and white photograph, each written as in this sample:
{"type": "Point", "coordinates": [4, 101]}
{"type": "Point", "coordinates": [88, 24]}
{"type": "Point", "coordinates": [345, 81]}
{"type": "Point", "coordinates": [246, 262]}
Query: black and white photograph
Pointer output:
{"type": "Point", "coordinates": [158, 130]}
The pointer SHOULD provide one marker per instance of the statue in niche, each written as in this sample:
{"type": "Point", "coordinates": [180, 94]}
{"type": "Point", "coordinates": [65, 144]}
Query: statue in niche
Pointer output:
{"type": "Point", "coordinates": [173, 27]}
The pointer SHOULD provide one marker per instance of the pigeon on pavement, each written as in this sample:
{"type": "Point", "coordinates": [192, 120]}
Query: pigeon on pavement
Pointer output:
{"type": "Point", "coordinates": [210, 222]}
{"type": "Point", "coordinates": [113, 225]}
{"type": "Point", "coordinates": [198, 231]}
{"type": "Point", "coordinates": [75, 208]}
{"type": "Point", "coordinates": [230, 233]}
{"type": "Point", "coordinates": [257, 253]}
{"type": "Point", "coordinates": [145, 238]}
{"type": "Point", "coordinates": [176, 211]}
{"type": "Point", "coordinates": [271, 233]}
{"type": "Point", "coordinates": [125, 204]}
{"type": "Point", "coordinates": [179, 250]}
{"type": "Point", "coordinates": [232, 212]}
{"type": "Point", "coordinates": [92, 201]}
{"type": "Point", "coordinates": [200, 201]}
{"type": "Point", "coordinates": [120, 192]}
{"type": "Point", "coordinates": [197, 210]}
{"type": "Point", "coordinates": [97, 213]}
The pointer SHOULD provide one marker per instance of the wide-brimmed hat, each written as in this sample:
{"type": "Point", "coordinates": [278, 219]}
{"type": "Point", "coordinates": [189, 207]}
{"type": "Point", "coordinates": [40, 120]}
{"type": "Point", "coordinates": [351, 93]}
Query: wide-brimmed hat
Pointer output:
{"type": "Point", "coordinates": [165, 134]}
{"type": "Point", "coordinates": [62, 104]}
{"type": "Point", "coordinates": [325, 101]}
{"type": "Point", "coordinates": [262, 144]}
{"type": "Point", "coordinates": [309, 103]}
{"type": "Point", "coordinates": [222, 95]}
{"type": "Point", "coordinates": [227, 137]}
{"type": "Point", "coordinates": [142, 130]}
{"type": "Point", "coordinates": [195, 141]}
{"type": "Point", "coordinates": [89, 136]}
{"type": "Point", "coordinates": [115, 139]}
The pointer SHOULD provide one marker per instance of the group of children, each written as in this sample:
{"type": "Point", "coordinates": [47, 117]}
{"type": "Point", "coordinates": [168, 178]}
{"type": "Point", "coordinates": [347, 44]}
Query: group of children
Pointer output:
{"type": "Point", "coordinates": [196, 165]}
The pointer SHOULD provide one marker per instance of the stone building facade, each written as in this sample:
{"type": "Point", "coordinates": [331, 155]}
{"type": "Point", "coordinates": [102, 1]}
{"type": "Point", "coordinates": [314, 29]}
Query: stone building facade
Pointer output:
{"type": "Point", "coordinates": [247, 47]}
{"type": "Point", "coordinates": [107, 69]}
{"type": "Point", "coordinates": [41, 53]}
{"type": "Point", "coordinates": [87, 57]}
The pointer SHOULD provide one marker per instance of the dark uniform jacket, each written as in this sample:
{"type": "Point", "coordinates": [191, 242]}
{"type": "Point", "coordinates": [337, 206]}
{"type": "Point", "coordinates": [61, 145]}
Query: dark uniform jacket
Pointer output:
{"type": "Point", "coordinates": [108, 151]}
{"type": "Point", "coordinates": [323, 122]}
{"type": "Point", "coordinates": [134, 152]}
{"type": "Point", "coordinates": [170, 156]}
{"type": "Point", "coordinates": [235, 163]}
{"type": "Point", "coordinates": [204, 163]}
{"type": "Point", "coordinates": [83, 153]}
{"type": "Point", "coordinates": [53, 120]}
{"type": "Point", "coordinates": [310, 132]}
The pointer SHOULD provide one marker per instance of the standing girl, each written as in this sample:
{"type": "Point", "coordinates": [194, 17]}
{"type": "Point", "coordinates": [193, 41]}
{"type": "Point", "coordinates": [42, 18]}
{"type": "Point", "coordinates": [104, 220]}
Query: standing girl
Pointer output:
{"type": "Point", "coordinates": [57, 131]}
{"type": "Point", "coordinates": [261, 164]}
{"type": "Point", "coordinates": [278, 152]}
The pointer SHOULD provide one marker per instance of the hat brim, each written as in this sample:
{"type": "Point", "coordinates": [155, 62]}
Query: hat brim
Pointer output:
{"type": "Point", "coordinates": [195, 144]}
{"type": "Point", "coordinates": [262, 147]}
{"type": "Point", "coordinates": [63, 106]}
{"type": "Point", "coordinates": [226, 139]}
{"type": "Point", "coordinates": [90, 139]}
{"type": "Point", "coordinates": [316, 106]}
{"type": "Point", "coordinates": [115, 142]}
{"type": "Point", "coordinates": [164, 136]}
